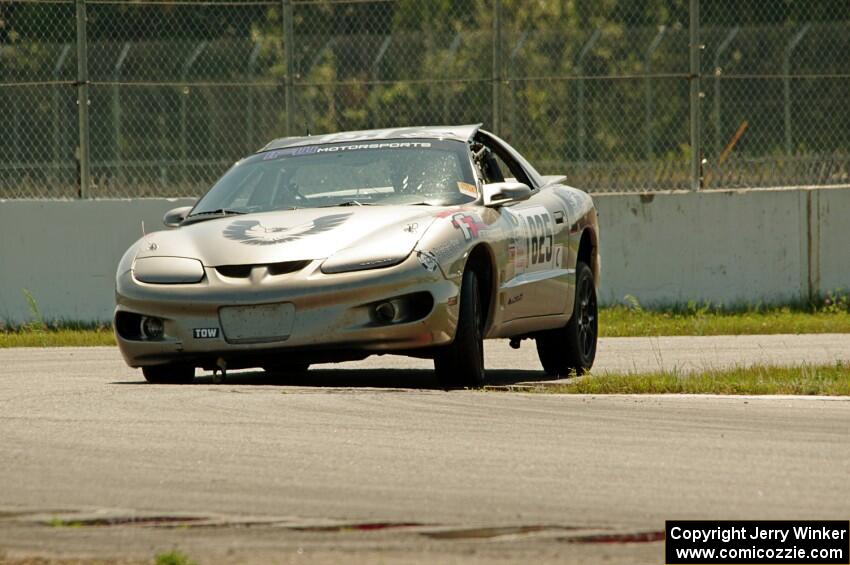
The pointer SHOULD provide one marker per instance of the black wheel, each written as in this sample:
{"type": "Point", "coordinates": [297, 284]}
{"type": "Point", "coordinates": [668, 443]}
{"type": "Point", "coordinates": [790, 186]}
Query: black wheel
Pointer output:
{"type": "Point", "coordinates": [286, 369]}
{"type": "Point", "coordinates": [169, 374]}
{"type": "Point", "coordinates": [461, 364]}
{"type": "Point", "coordinates": [573, 347]}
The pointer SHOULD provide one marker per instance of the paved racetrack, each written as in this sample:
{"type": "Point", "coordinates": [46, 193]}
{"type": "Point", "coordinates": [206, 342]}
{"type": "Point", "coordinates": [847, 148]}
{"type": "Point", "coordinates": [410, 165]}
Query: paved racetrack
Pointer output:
{"type": "Point", "coordinates": [367, 462]}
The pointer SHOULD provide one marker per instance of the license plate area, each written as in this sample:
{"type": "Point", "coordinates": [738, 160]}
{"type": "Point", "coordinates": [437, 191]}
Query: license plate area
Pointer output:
{"type": "Point", "coordinates": [257, 324]}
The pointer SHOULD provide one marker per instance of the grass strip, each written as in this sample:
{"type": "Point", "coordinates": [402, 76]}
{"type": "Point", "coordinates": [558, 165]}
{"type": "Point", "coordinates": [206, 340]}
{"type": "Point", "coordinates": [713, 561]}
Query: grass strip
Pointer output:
{"type": "Point", "coordinates": [616, 321]}
{"type": "Point", "coordinates": [619, 321]}
{"type": "Point", "coordinates": [802, 380]}
{"type": "Point", "coordinates": [56, 338]}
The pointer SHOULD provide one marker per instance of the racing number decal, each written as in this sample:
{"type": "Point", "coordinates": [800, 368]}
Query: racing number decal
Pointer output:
{"type": "Point", "coordinates": [541, 239]}
{"type": "Point", "coordinates": [534, 239]}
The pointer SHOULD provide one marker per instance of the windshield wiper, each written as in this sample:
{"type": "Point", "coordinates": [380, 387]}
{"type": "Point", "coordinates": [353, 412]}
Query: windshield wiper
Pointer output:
{"type": "Point", "coordinates": [350, 203]}
{"type": "Point", "coordinates": [220, 212]}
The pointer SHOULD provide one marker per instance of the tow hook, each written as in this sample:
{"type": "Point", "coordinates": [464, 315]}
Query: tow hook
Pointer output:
{"type": "Point", "coordinates": [217, 377]}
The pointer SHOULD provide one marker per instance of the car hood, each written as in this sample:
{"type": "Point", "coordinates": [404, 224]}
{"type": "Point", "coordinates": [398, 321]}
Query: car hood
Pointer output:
{"type": "Point", "coordinates": [294, 235]}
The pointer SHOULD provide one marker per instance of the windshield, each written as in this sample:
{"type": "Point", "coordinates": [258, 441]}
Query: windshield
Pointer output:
{"type": "Point", "coordinates": [386, 172]}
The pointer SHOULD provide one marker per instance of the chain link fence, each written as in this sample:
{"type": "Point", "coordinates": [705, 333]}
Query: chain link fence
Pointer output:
{"type": "Point", "coordinates": [176, 91]}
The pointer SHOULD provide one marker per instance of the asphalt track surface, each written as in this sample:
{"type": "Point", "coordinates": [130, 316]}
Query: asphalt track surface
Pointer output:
{"type": "Point", "coordinates": [368, 462]}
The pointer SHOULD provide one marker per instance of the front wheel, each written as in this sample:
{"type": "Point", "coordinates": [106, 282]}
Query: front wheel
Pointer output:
{"type": "Point", "coordinates": [573, 347]}
{"type": "Point", "coordinates": [461, 364]}
{"type": "Point", "coordinates": [169, 374]}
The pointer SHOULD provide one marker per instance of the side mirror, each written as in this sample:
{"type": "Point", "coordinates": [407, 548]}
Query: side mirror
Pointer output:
{"type": "Point", "coordinates": [173, 218]}
{"type": "Point", "coordinates": [500, 193]}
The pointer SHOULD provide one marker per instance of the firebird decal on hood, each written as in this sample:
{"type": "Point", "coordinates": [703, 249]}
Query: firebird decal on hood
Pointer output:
{"type": "Point", "coordinates": [252, 232]}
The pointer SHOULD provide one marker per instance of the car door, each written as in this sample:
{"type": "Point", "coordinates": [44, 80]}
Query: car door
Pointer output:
{"type": "Point", "coordinates": [536, 278]}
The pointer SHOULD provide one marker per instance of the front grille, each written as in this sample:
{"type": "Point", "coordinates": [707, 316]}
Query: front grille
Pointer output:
{"type": "Point", "coordinates": [287, 267]}
{"type": "Point", "coordinates": [235, 271]}
{"type": "Point", "coordinates": [244, 271]}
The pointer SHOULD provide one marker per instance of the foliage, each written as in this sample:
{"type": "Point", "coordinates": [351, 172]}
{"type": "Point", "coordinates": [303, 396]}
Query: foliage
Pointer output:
{"type": "Point", "coordinates": [173, 558]}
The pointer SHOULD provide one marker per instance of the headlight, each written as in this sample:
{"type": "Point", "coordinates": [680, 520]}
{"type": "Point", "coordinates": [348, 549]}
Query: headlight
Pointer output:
{"type": "Point", "coordinates": [349, 262]}
{"type": "Point", "coordinates": [376, 255]}
{"type": "Point", "coordinates": [168, 270]}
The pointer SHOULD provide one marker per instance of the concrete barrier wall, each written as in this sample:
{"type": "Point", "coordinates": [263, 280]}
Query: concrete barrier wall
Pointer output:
{"type": "Point", "coordinates": [727, 247]}
{"type": "Point", "coordinates": [65, 253]}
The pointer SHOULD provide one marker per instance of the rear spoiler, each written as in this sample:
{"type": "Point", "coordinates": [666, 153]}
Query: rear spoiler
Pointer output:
{"type": "Point", "coordinates": [553, 179]}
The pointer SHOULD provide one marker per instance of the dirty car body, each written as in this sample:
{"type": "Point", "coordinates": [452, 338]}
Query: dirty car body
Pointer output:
{"type": "Point", "coordinates": [336, 247]}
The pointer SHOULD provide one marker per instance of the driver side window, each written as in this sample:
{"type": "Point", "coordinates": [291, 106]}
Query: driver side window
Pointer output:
{"type": "Point", "coordinates": [495, 164]}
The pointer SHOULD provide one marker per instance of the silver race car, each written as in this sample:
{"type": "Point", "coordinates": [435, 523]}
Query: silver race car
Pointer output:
{"type": "Point", "coordinates": [413, 241]}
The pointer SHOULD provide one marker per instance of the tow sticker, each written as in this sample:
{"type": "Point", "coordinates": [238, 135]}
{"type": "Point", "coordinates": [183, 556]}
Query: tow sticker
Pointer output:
{"type": "Point", "coordinates": [205, 333]}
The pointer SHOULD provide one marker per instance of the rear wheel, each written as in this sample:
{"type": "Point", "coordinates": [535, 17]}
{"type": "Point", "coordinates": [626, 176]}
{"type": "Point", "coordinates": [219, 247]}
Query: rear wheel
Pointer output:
{"type": "Point", "coordinates": [573, 347]}
{"type": "Point", "coordinates": [461, 364]}
{"type": "Point", "coordinates": [172, 374]}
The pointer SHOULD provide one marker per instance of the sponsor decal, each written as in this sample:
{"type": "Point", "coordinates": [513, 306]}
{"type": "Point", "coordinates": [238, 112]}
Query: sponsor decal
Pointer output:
{"type": "Point", "coordinates": [384, 145]}
{"type": "Point", "coordinates": [252, 232]}
{"type": "Point", "coordinates": [514, 299]}
{"type": "Point", "coordinates": [447, 251]}
{"type": "Point", "coordinates": [315, 149]}
{"type": "Point", "coordinates": [509, 271]}
{"type": "Point", "coordinates": [411, 228]}
{"type": "Point", "coordinates": [428, 260]}
{"type": "Point", "coordinates": [470, 225]}
{"type": "Point", "coordinates": [290, 152]}
{"type": "Point", "coordinates": [467, 189]}
{"type": "Point", "coordinates": [205, 333]}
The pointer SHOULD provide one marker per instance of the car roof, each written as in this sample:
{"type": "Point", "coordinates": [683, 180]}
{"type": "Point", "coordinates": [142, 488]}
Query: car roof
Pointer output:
{"type": "Point", "coordinates": [459, 133]}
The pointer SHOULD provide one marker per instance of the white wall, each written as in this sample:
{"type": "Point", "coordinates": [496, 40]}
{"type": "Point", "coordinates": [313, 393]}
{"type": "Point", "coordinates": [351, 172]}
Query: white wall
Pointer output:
{"type": "Point", "coordinates": [66, 252]}
{"type": "Point", "coordinates": [725, 246]}
{"type": "Point", "coordinates": [729, 247]}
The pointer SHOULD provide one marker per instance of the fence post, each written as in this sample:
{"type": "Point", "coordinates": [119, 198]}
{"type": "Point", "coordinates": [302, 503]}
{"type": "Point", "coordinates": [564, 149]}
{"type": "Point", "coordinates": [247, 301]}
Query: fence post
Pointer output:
{"type": "Point", "coordinates": [696, 114]}
{"type": "Point", "coordinates": [497, 65]}
{"type": "Point", "coordinates": [83, 99]}
{"type": "Point", "coordinates": [289, 53]}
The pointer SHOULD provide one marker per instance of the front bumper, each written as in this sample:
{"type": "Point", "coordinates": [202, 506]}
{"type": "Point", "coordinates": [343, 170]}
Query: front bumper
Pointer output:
{"type": "Point", "coordinates": [332, 315]}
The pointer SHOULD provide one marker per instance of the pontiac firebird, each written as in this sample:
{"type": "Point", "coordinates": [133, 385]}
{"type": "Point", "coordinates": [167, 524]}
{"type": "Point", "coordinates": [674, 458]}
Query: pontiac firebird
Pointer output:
{"type": "Point", "coordinates": [413, 241]}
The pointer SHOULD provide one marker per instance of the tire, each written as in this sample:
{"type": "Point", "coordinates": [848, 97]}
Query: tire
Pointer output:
{"type": "Point", "coordinates": [461, 364]}
{"type": "Point", "coordinates": [169, 374]}
{"type": "Point", "coordinates": [573, 347]}
{"type": "Point", "coordinates": [287, 369]}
